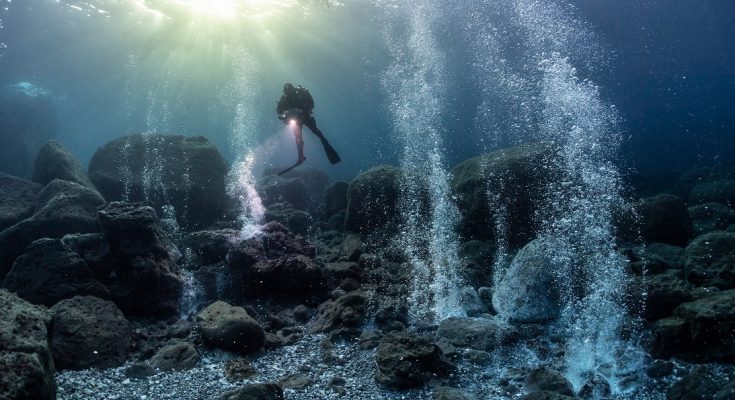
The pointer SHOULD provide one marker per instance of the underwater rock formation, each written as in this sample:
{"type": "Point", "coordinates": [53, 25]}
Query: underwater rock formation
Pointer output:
{"type": "Point", "coordinates": [711, 217]}
{"type": "Point", "coordinates": [298, 221]}
{"type": "Point", "coordinates": [255, 391]}
{"type": "Point", "coordinates": [88, 332]}
{"type": "Point", "coordinates": [187, 173]}
{"type": "Point", "coordinates": [665, 219]}
{"type": "Point", "coordinates": [516, 178]}
{"type": "Point", "coordinates": [211, 247]}
{"type": "Point", "coordinates": [372, 200]}
{"type": "Point", "coordinates": [146, 282]}
{"type": "Point", "coordinates": [276, 264]}
{"type": "Point", "coordinates": [178, 356]}
{"type": "Point", "coordinates": [406, 360]}
{"type": "Point", "coordinates": [335, 197]}
{"type": "Point", "coordinates": [26, 364]}
{"type": "Point", "coordinates": [711, 260]}
{"type": "Point", "coordinates": [17, 199]}
{"type": "Point", "coordinates": [230, 328]}
{"type": "Point", "coordinates": [277, 189]}
{"type": "Point", "coordinates": [476, 333]}
{"type": "Point", "coordinates": [63, 207]}
{"type": "Point", "coordinates": [53, 161]}
{"type": "Point", "coordinates": [348, 311]}
{"type": "Point", "coordinates": [719, 191]}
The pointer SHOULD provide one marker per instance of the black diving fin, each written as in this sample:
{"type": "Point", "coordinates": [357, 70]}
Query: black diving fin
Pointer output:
{"type": "Point", "coordinates": [331, 152]}
{"type": "Point", "coordinates": [292, 167]}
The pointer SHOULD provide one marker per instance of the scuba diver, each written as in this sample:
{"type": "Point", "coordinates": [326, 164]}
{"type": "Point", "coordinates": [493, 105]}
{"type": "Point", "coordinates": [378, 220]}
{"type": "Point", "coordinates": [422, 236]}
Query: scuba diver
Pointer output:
{"type": "Point", "coordinates": [294, 109]}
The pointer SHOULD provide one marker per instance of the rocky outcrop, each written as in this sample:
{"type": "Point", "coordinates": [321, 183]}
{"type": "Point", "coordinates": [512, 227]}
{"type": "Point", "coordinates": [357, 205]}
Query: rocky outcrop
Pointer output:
{"type": "Point", "coordinates": [664, 292]}
{"type": "Point", "coordinates": [335, 197]}
{"type": "Point", "coordinates": [517, 178]}
{"type": "Point", "coordinates": [711, 217]}
{"type": "Point", "coordinates": [719, 191]}
{"type": "Point", "coordinates": [476, 333]}
{"type": "Point", "coordinates": [694, 177]}
{"type": "Point", "coordinates": [528, 291]}
{"type": "Point", "coordinates": [56, 162]}
{"type": "Point", "coordinates": [665, 219]}
{"type": "Point", "coordinates": [50, 272]}
{"type": "Point", "coordinates": [405, 360]}
{"type": "Point", "coordinates": [88, 332]}
{"type": "Point", "coordinates": [190, 175]}
{"type": "Point", "coordinates": [230, 328]}
{"type": "Point", "coordinates": [696, 385]}
{"type": "Point", "coordinates": [711, 260]}
{"type": "Point", "coordinates": [178, 356]}
{"type": "Point", "coordinates": [699, 331]}
{"type": "Point", "coordinates": [146, 283]}
{"type": "Point", "coordinates": [26, 364]}
{"type": "Point", "coordinates": [277, 189]}
{"type": "Point", "coordinates": [298, 221]}
{"type": "Point", "coordinates": [17, 199]}
{"type": "Point", "coordinates": [211, 247]}
{"type": "Point", "coordinates": [275, 263]}
{"type": "Point", "coordinates": [372, 200]}
{"type": "Point", "coordinates": [347, 311]}
{"type": "Point", "coordinates": [63, 207]}
{"type": "Point", "coordinates": [545, 379]}
{"type": "Point", "coordinates": [255, 391]}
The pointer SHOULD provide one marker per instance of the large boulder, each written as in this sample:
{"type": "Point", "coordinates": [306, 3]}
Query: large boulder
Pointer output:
{"type": "Point", "coordinates": [63, 207]}
{"type": "Point", "coordinates": [347, 311]}
{"type": "Point", "coordinates": [528, 292]}
{"type": "Point", "coordinates": [277, 189]}
{"type": "Point", "coordinates": [255, 391]}
{"type": "Point", "coordinates": [17, 199]}
{"type": "Point", "coordinates": [476, 333]}
{"type": "Point", "coordinates": [298, 221]}
{"type": "Point", "coordinates": [335, 197]}
{"type": "Point", "coordinates": [699, 331]}
{"type": "Point", "coordinates": [26, 364]}
{"type": "Point", "coordinates": [178, 356]}
{"type": "Point", "coordinates": [405, 360]}
{"type": "Point", "coordinates": [56, 162]}
{"type": "Point", "coordinates": [275, 263]}
{"type": "Point", "coordinates": [372, 199]}
{"type": "Point", "coordinates": [711, 217]}
{"type": "Point", "coordinates": [516, 178]}
{"type": "Point", "coordinates": [230, 328]}
{"type": "Point", "coordinates": [187, 173]}
{"type": "Point", "coordinates": [211, 247]}
{"type": "Point", "coordinates": [146, 282]}
{"type": "Point", "coordinates": [27, 120]}
{"type": "Point", "coordinates": [697, 385]}
{"type": "Point", "coordinates": [664, 292]}
{"type": "Point", "coordinates": [545, 379]}
{"type": "Point", "coordinates": [88, 332]}
{"type": "Point", "coordinates": [665, 219]}
{"type": "Point", "coordinates": [711, 260]}
{"type": "Point", "coordinates": [720, 191]}
{"type": "Point", "coordinates": [50, 272]}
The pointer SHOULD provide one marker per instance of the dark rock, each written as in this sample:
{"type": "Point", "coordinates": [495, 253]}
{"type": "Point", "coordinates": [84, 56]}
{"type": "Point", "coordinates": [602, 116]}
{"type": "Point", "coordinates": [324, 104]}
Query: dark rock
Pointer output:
{"type": "Point", "coordinates": [697, 385]}
{"type": "Point", "coordinates": [26, 122]}
{"type": "Point", "coordinates": [56, 162]}
{"type": "Point", "coordinates": [337, 221]}
{"type": "Point", "coordinates": [211, 247]}
{"type": "Point", "coordinates": [347, 311]}
{"type": "Point", "coordinates": [94, 250]}
{"type": "Point", "coordinates": [664, 293]}
{"type": "Point", "coordinates": [528, 292]}
{"type": "Point", "coordinates": [596, 387]}
{"type": "Point", "coordinates": [720, 191]}
{"type": "Point", "coordinates": [372, 199]}
{"type": "Point", "coordinates": [178, 356]}
{"type": "Point", "coordinates": [26, 364]}
{"type": "Point", "coordinates": [277, 189]}
{"type": "Point", "coordinates": [239, 369]}
{"type": "Point", "coordinates": [727, 392]}
{"type": "Point", "coordinates": [448, 393]}
{"type": "Point", "coordinates": [691, 179]}
{"type": "Point", "coordinates": [665, 219]}
{"type": "Point", "coordinates": [352, 247]}
{"type": "Point", "coordinates": [335, 273]}
{"type": "Point", "coordinates": [544, 379]}
{"type": "Point", "coordinates": [699, 331]}
{"type": "Point", "coordinates": [476, 333]}
{"type": "Point", "coordinates": [255, 391]}
{"type": "Point", "coordinates": [335, 197]}
{"type": "Point", "coordinates": [478, 258]}
{"type": "Point", "coordinates": [49, 272]}
{"type": "Point", "coordinates": [17, 199]}
{"type": "Point", "coordinates": [139, 370]}
{"type": "Point", "coordinates": [63, 208]}
{"type": "Point", "coordinates": [369, 339]}
{"type": "Point", "coordinates": [520, 176]}
{"type": "Point", "coordinates": [298, 221]}
{"type": "Point", "coordinates": [302, 313]}
{"type": "Point", "coordinates": [275, 263]}
{"type": "Point", "coordinates": [89, 332]}
{"type": "Point", "coordinates": [711, 260]}
{"type": "Point", "coordinates": [297, 381]}
{"type": "Point", "coordinates": [192, 175]}
{"type": "Point", "coordinates": [215, 281]}
{"type": "Point", "coordinates": [673, 256]}
{"type": "Point", "coordinates": [406, 360]}
{"type": "Point", "coordinates": [711, 217]}
{"type": "Point", "coordinates": [146, 260]}
{"type": "Point", "coordinates": [230, 328]}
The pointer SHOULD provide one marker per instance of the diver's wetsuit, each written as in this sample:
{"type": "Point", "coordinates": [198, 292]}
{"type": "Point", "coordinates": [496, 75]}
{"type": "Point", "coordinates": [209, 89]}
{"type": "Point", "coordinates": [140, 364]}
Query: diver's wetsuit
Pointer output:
{"type": "Point", "coordinates": [299, 99]}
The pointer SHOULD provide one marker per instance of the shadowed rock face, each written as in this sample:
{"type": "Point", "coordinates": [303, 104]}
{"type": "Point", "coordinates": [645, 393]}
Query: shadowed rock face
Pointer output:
{"type": "Point", "coordinates": [406, 360]}
{"type": "Point", "coordinates": [17, 199]}
{"type": "Point", "coordinates": [187, 173]}
{"type": "Point", "coordinates": [230, 328]}
{"type": "Point", "coordinates": [55, 162]}
{"type": "Point", "coordinates": [372, 199]}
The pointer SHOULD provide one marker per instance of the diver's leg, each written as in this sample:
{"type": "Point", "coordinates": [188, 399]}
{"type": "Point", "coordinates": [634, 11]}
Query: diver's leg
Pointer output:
{"type": "Point", "coordinates": [298, 135]}
{"type": "Point", "coordinates": [310, 122]}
